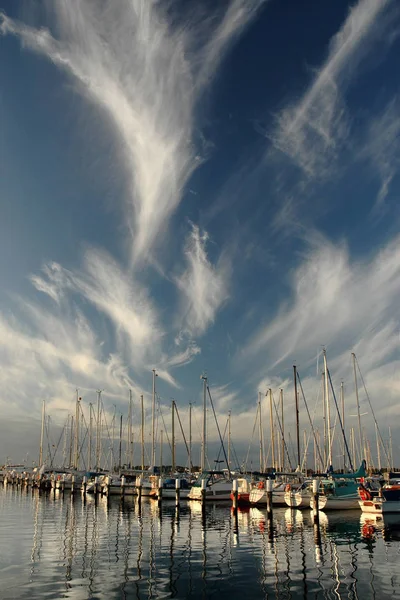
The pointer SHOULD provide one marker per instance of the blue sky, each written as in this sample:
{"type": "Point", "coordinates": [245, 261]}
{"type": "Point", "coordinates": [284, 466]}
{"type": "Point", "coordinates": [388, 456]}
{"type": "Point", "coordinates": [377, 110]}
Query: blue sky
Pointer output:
{"type": "Point", "coordinates": [198, 187]}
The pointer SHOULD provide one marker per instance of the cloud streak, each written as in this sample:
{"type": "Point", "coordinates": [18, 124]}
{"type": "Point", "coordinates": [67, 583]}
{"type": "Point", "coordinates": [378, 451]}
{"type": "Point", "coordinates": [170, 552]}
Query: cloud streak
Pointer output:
{"type": "Point", "coordinates": [335, 302]}
{"type": "Point", "coordinates": [236, 18]}
{"type": "Point", "coordinates": [383, 145]}
{"type": "Point", "coordinates": [115, 294]}
{"type": "Point", "coordinates": [146, 67]}
{"type": "Point", "coordinates": [48, 349]}
{"type": "Point", "coordinates": [204, 287]}
{"type": "Point", "coordinates": [146, 70]}
{"type": "Point", "coordinates": [312, 131]}
{"type": "Point", "coordinates": [48, 358]}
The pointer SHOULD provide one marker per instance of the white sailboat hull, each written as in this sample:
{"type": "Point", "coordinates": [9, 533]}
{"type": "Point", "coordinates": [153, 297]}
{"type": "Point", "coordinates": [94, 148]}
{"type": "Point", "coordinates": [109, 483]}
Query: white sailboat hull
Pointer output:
{"type": "Point", "coordinates": [278, 498]}
{"type": "Point", "coordinates": [379, 506]}
{"type": "Point", "coordinates": [298, 499]}
{"type": "Point", "coordinates": [216, 492]}
{"type": "Point", "coordinates": [349, 502]}
{"type": "Point", "coordinates": [259, 497]}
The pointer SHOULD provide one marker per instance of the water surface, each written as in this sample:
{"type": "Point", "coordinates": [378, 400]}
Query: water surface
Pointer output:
{"type": "Point", "coordinates": [55, 547]}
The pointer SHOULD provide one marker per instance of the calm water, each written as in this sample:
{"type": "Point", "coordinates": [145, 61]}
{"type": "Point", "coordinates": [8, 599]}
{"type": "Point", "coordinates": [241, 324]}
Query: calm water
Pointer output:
{"type": "Point", "coordinates": [59, 548]}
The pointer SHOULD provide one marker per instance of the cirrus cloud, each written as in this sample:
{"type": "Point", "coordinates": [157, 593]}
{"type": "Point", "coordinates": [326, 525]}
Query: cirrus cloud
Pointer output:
{"type": "Point", "coordinates": [313, 130]}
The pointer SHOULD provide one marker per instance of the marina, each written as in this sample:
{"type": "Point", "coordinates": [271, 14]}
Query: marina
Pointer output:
{"type": "Point", "coordinates": [199, 316]}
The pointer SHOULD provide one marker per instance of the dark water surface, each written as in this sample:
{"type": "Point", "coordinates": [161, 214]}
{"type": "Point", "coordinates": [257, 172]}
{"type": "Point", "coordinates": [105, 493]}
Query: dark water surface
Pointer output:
{"type": "Point", "coordinates": [55, 547]}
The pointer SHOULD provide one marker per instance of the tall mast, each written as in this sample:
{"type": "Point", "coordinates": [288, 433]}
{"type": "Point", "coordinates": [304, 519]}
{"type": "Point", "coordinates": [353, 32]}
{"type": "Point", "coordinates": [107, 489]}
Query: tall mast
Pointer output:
{"type": "Point", "coordinates": [66, 427]}
{"type": "Point", "coordinates": [42, 434]}
{"type": "Point", "coordinates": [131, 458]}
{"type": "Point", "coordinates": [173, 438]}
{"type": "Point", "coordinates": [153, 421]}
{"type": "Point", "coordinates": [353, 445]}
{"type": "Point", "coordinates": [161, 450]}
{"type": "Point", "coordinates": [98, 431]}
{"type": "Point", "coordinates": [378, 447]}
{"type": "Point", "coordinates": [142, 429]}
{"type": "Point", "coordinates": [128, 432]}
{"type": "Point", "coordinates": [260, 434]}
{"type": "Point", "coordinates": [328, 412]}
{"type": "Point", "coordinates": [204, 440]}
{"type": "Point", "coordinates": [190, 438]}
{"type": "Point", "coordinates": [129, 449]}
{"type": "Point", "coordinates": [90, 436]}
{"type": "Point", "coordinates": [296, 400]}
{"type": "Point", "coordinates": [368, 448]}
{"type": "Point", "coordinates": [324, 419]}
{"type": "Point", "coordinates": [77, 407]}
{"type": "Point", "coordinates": [113, 436]}
{"type": "Point", "coordinates": [49, 456]}
{"type": "Point", "coordinates": [271, 420]}
{"type": "Point", "coordinates": [71, 440]}
{"type": "Point", "coordinates": [315, 450]}
{"type": "Point", "coordinates": [343, 424]}
{"type": "Point", "coordinates": [283, 431]}
{"type": "Point", "coordinates": [120, 443]}
{"type": "Point", "coordinates": [229, 440]}
{"type": "Point", "coordinates": [360, 435]}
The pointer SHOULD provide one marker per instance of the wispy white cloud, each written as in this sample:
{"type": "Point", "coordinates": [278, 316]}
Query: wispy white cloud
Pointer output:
{"type": "Point", "coordinates": [224, 397]}
{"type": "Point", "coordinates": [115, 293]}
{"type": "Point", "coordinates": [47, 351]}
{"type": "Point", "coordinates": [313, 130]}
{"type": "Point", "coordinates": [146, 70]}
{"type": "Point", "coordinates": [383, 145]}
{"type": "Point", "coordinates": [126, 303]}
{"type": "Point", "coordinates": [102, 285]}
{"type": "Point", "coordinates": [52, 281]}
{"type": "Point", "coordinates": [203, 286]}
{"type": "Point", "coordinates": [237, 16]}
{"type": "Point", "coordinates": [334, 302]}
{"type": "Point", "coordinates": [273, 382]}
{"type": "Point", "coordinates": [166, 375]}
{"type": "Point", "coordinates": [50, 357]}
{"type": "Point", "coordinates": [377, 352]}
{"type": "Point", "coordinates": [185, 357]}
{"type": "Point", "coordinates": [146, 66]}
{"type": "Point", "coordinates": [347, 306]}
{"type": "Point", "coordinates": [377, 355]}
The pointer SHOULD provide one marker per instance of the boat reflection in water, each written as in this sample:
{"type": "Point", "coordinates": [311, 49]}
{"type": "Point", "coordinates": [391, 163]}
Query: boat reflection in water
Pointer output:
{"type": "Point", "coordinates": [63, 547]}
{"type": "Point", "coordinates": [386, 526]}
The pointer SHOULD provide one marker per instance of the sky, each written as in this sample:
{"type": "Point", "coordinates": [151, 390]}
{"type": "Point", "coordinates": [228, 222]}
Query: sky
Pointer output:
{"type": "Point", "coordinates": [198, 188]}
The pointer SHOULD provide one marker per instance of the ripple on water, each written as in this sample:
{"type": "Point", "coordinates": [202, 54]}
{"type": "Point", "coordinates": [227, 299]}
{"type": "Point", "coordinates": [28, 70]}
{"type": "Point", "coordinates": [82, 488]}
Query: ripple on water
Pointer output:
{"type": "Point", "coordinates": [54, 547]}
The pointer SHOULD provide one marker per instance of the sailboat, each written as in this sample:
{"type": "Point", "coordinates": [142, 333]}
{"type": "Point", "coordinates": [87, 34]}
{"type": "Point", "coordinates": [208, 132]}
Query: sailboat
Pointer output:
{"type": "Point", "coordinates": [169, 484]}
{"type": "Point", "coordinates": [284, 483]}
{"type": "Point", "coordinates": [383, 500]}
{"type": "Point", "coordinates": [339, 491]}
{"type": "Point", "coordinates": [299, 496]}
{"type": "Point", "coordinates": [147, 479]}
{"type": "Point", "coordinates": [258, 495]}
{"type": "Point", "coordinates": [217, 484]}
{"type": "Point", "coordinates": [169, 488]}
